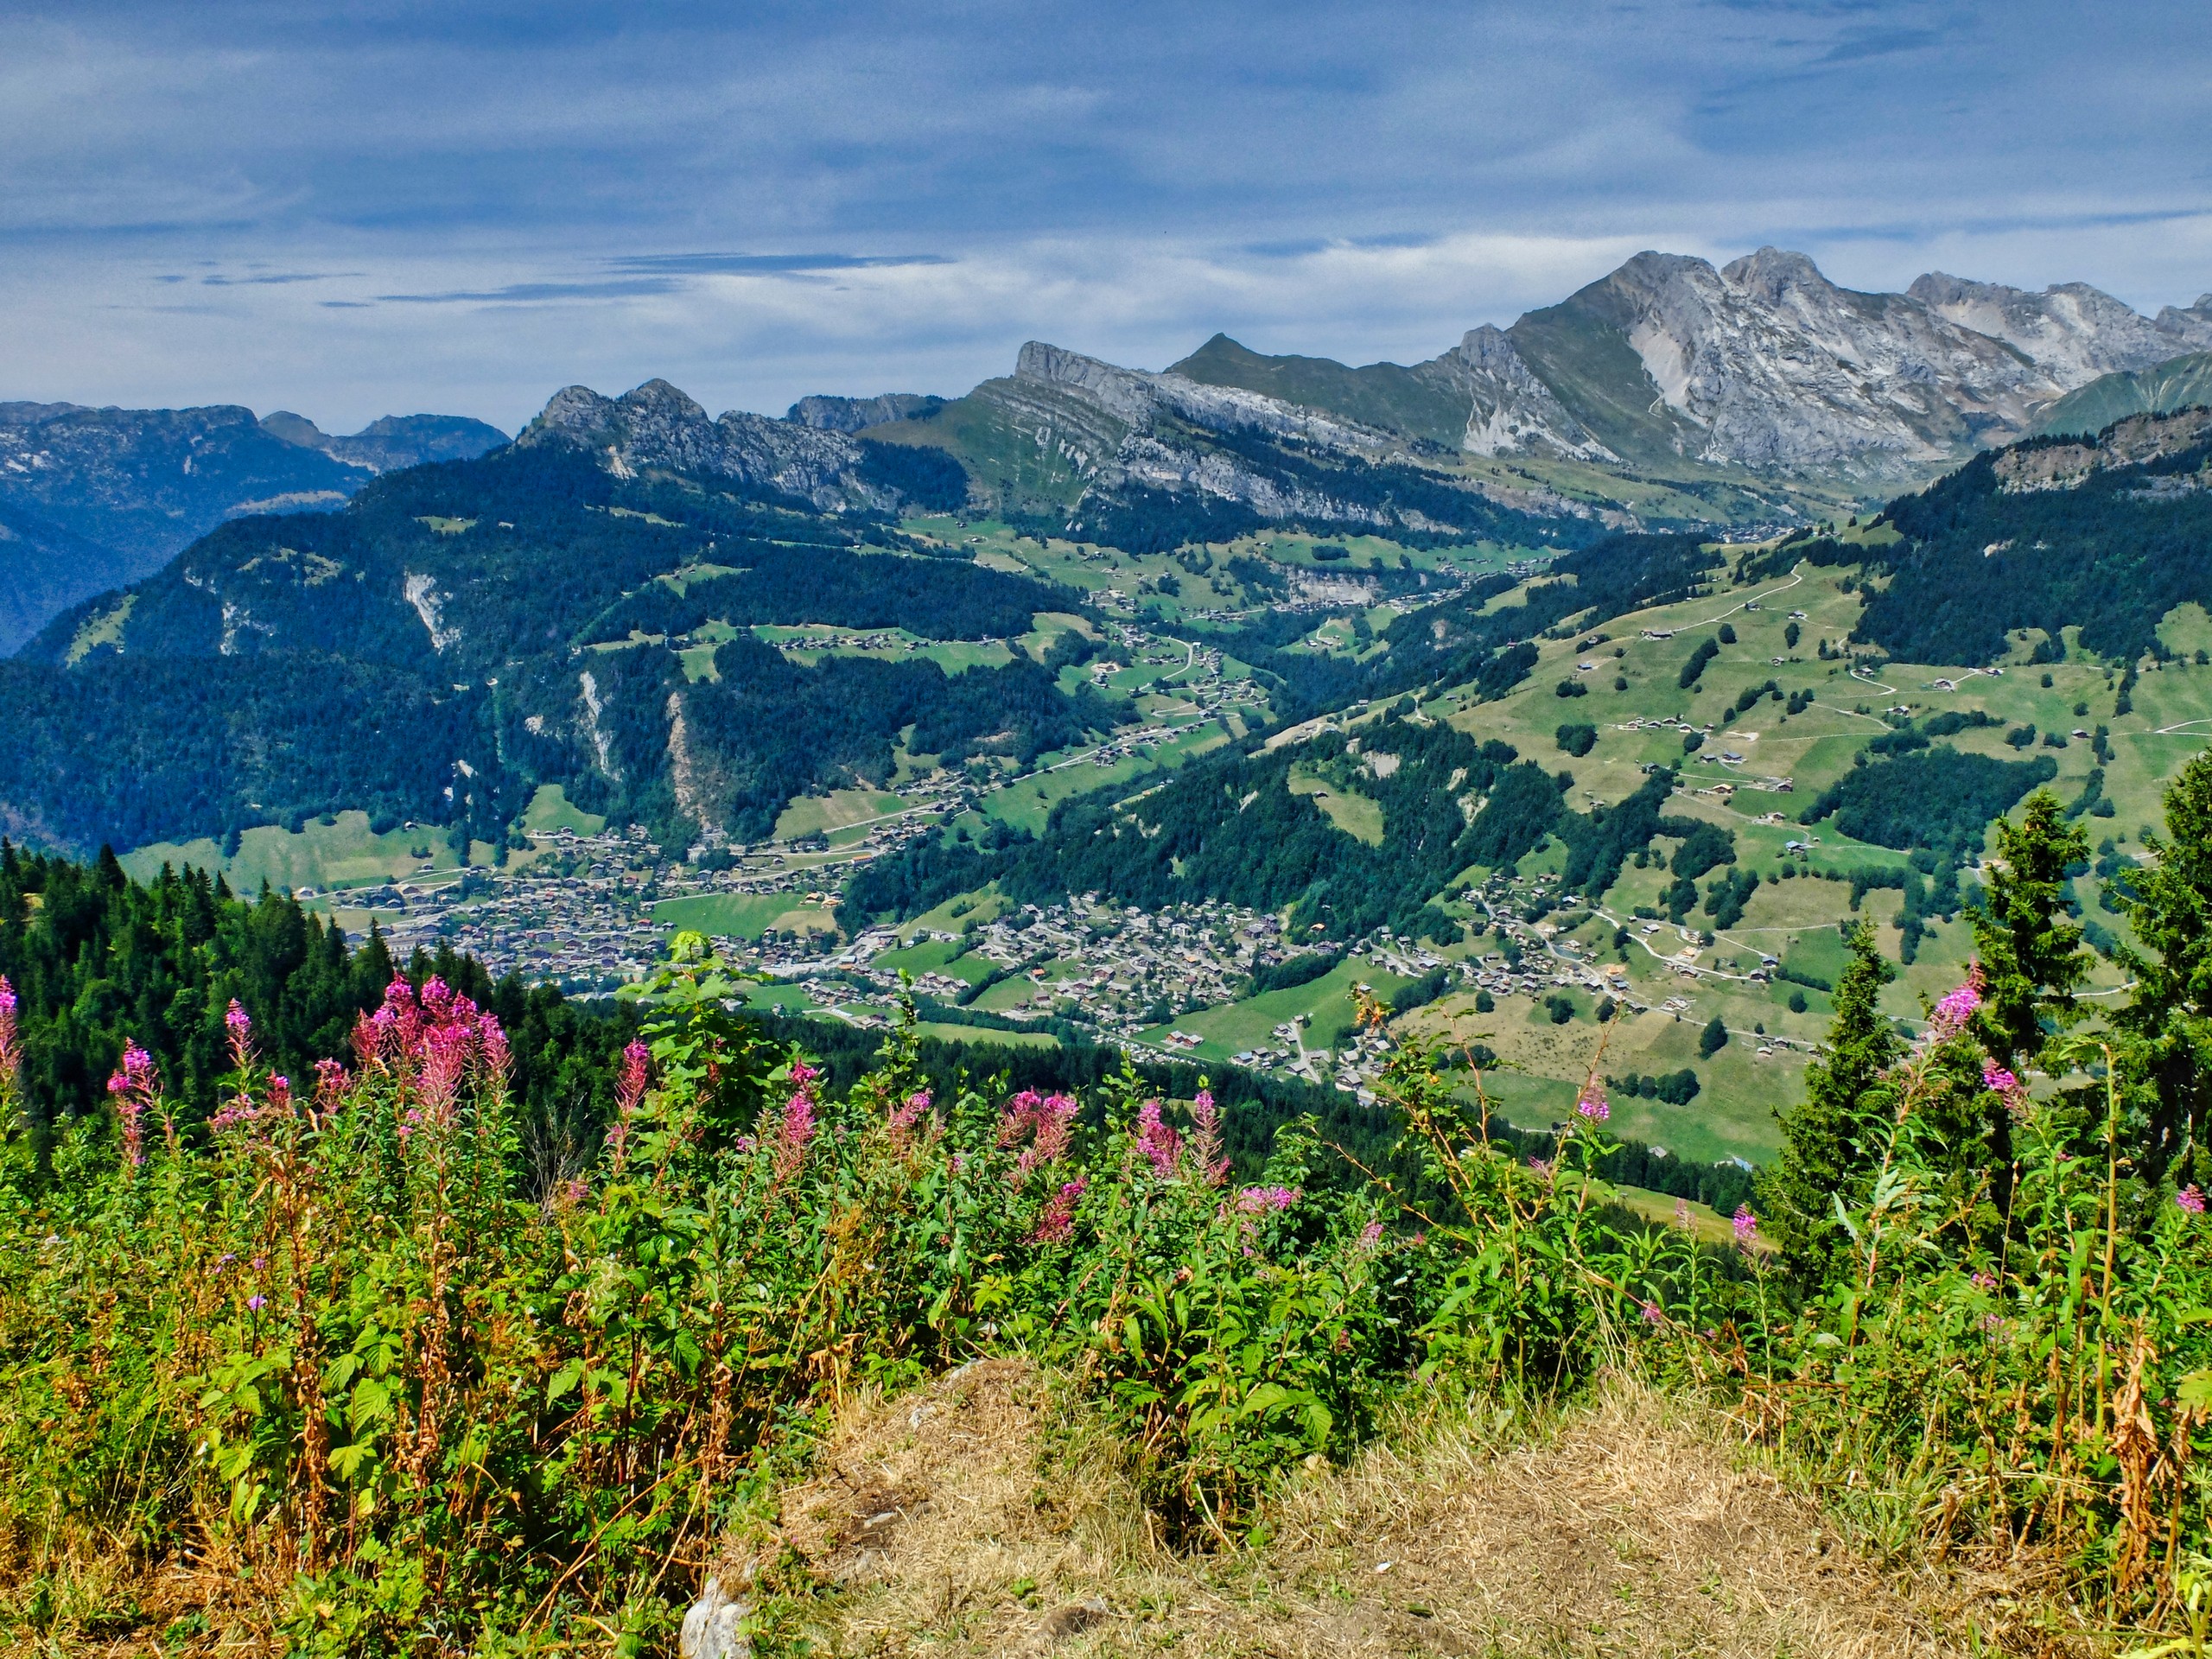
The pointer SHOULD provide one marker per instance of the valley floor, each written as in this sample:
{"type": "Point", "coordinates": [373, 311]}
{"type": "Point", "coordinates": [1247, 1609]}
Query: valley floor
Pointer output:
{"type": "Point", "coordinates": [967, 1519]}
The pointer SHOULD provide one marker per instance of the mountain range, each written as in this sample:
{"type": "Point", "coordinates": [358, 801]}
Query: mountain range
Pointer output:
{"type": "Point", "coordinates": [1670, 393]}
{"type": "Point", "coordinates": [93, 499]}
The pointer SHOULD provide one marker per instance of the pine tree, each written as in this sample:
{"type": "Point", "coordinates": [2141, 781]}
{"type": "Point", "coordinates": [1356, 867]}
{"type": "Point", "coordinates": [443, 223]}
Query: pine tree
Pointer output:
{"type": "Point", "coordinates": [2172, 914]}
{"type": "Point", "coordinates": [1829, 1145]}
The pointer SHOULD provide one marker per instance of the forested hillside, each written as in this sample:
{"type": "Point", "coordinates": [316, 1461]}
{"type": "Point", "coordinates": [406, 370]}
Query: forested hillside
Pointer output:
{"type": "Point", "coordinates": [461, 633]}
{"type": "Point", "coordinates": [2106, 534]}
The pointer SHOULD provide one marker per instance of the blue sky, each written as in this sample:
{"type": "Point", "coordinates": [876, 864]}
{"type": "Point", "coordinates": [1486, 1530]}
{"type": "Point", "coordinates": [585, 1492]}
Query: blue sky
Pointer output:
{"type": "Point", "coordinates": [391, 207]}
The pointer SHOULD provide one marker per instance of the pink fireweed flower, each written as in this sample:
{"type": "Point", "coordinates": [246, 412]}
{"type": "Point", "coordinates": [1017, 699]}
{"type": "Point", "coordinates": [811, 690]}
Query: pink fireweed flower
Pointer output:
{"type": "Point", "coordinates": [796, 1131]}
{"type": "Point", "coordinates": [1985, 1281]}
{"type": "Point", "coordinates": [1205, 1139]}
{"type": "Point", "coordinates": [1158, 1143]}
{"type": "Point", "coordinates": [234, 1111]}
{"type": "Point", "coordinates": [238, 1028]}
{"type": "Point", "coordinates": [446, 1051]}
{"type": "Point", "coordinates": [1542, 1167]}
{"type": "Point", "coordinates": [136, 1086]}
{"type": "Point", "coordinates": [2191, 1198]}
{"type": "Point", "coordinates": [1999, 1081]}
{"type": "Point", "coordinates": [1056, 1220]}
{"type": "Point", "coordinates": [12, 1053]}
{"type": "Point", "coordinates": [332, 1084]}
{"type": "Point", "coordinates": [1960, 1005]}
{"type": "Point", "coordinates": [1048, 1120]}
{"type": "Point", "coordinates": [1592, 1104]}
{"type": "Point", "coordinates": [1747, 1225]}
{"type": "Point", "coordinates": [636, 1073]}
{"type": "Point", "coordinates": [1683, 1219]}
{"type": "Point", "coordinates": [803, 1074]}
{"type": "Point", "coordinates": [1652, 1315]}
{"type": "Point", "coordinates": [1014, 1116]}
{"type": "Point", "coordinates": [493, 1057]}
{"type": "Point", "coordinates": [903, 1118]}
{"type": "Point", "coordinates": [1370, 1236]}
{"type": "Point", "coordinates": [1258, 1200]}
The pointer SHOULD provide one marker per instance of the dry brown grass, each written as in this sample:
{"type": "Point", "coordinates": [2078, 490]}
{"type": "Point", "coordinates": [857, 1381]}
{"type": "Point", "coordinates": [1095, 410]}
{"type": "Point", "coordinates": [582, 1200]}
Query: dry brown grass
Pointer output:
{"type": "Point", "coordinates": [960, 1519]}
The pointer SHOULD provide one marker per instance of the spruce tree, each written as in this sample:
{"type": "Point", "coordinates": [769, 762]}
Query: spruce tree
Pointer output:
{"type": "Point", "coordinates": [2168, 1015]}
{"type": "Point", "coordinates": [1830, 1141]}
{"type": "Point", "coordinates": [2031, 956]}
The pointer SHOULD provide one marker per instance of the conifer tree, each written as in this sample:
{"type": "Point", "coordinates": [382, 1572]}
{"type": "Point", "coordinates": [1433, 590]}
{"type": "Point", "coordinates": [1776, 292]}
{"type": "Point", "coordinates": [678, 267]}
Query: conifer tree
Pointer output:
{"type": "Point", "coordinates": [2171, 1013]}
{"type": "Point", "coordinates": [2031, 956]}
{"type": "Point", "coordinates": [1828, 1143]}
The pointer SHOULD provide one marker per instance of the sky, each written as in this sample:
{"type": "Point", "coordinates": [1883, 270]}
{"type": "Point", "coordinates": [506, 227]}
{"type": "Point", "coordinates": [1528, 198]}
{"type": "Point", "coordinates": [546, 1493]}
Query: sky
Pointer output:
{"type": "Point", "coordinates": [389, 207]}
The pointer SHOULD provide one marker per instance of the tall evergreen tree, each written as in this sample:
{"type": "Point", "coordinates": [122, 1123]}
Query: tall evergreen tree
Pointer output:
{"type": "Point", "coordinates": [1828, 1140]}
{"type": "Point", "coordinates": [2171, 1011]}
{"type": "Point", "coordinates": [2031, 956]}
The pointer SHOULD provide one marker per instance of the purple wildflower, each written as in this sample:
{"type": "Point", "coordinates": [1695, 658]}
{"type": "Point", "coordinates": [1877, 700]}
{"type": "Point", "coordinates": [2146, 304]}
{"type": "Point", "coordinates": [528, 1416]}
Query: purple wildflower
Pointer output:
{"type": "Point", "coordinates": [1205, 1139]}
{"type": "Point", "coordinates": [908, 1113]}
{"type": "Point", "coordinates": [12, 1053]}
{"type": "Point", "coordinates": [1370, 1236]}
{"type": "Point", "coordinates": [1593, 1105]}
{"type": "Point", "coordinates": [1652, 1315]}
{"type": "Point", "coordinates": [1056, 1220]}
{"type": "Point", "coordinates": [257, 1302]}
{"type": "Point", "coordinates": [796, 1131]}
{"type": "Point", "coordinates": [135, 1085]}
{"type": "Point", "coordinates": [1047, 1119]}
{"type": "Point", "coordinates": [239, 1028]}
{"type": "Point", "coordinates": [1683, 1219]}
{"type": "Point", "coordinates": [1747, 1225]}
{"type": "Point", "coordinates": [1157, 1142]}
{"type": "Point", "coordinates": [2191, 1198]}
{"type": "Point", "coordinates": [1960, 1005]}
{"type": "Point", "coordinates": [1258, 1200]}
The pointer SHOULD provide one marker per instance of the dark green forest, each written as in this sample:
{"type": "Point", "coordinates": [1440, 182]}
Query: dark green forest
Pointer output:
{"type": "Point", "coordinates": [2112, 553]}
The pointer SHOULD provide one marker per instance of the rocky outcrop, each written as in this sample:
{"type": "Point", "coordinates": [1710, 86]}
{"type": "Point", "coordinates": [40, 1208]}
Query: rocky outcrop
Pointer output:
{"type": "Point", "coordinates": [2129, 442]}
{"type": "Point", "coordinates": [858, 414]}
{"type": "Point", "coordinates": [656, 426]}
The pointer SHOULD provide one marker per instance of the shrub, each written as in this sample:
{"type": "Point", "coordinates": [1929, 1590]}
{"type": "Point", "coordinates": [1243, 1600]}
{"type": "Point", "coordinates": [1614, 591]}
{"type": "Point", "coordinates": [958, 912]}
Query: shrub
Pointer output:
{"type": "Point", "coordinates": [1577, 740]}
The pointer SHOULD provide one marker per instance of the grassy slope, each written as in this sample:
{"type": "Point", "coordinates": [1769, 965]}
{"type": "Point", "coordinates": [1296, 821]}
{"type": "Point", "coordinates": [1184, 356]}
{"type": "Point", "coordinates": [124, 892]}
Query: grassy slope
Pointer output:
{"type": "Point", "coordinates": [1627, 1523]}
{"type": "Point", "coordinates": [1326, 1001]}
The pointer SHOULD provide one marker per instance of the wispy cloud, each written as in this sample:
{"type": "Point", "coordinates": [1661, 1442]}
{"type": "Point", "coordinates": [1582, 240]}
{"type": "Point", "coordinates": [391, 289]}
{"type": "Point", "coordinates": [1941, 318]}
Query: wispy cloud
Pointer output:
{"type": "Point", "coordinates": [539, 293]}
{"type": "Point", "coordinates": [767, 264]}
{"type": "Point", "coordinates": [279, 279]}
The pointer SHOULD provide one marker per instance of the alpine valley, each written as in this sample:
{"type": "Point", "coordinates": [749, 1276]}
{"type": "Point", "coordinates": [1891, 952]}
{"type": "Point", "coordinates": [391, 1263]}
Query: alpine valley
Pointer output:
{"type": "Point", "coordinates": [1603, 663]}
